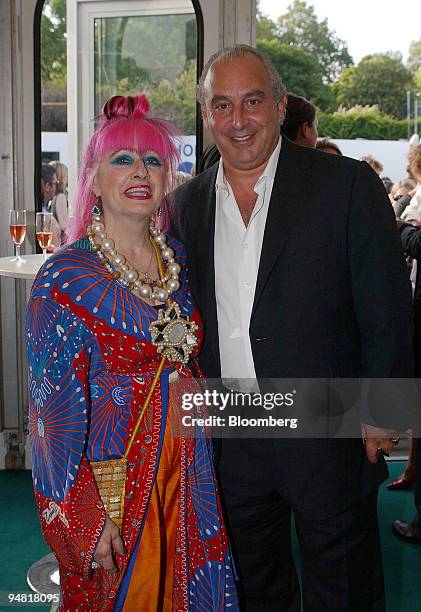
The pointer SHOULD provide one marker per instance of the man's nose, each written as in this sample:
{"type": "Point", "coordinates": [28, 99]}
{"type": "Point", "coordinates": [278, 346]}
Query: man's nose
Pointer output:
{"type": "Point", "coordinates": [239, 118]}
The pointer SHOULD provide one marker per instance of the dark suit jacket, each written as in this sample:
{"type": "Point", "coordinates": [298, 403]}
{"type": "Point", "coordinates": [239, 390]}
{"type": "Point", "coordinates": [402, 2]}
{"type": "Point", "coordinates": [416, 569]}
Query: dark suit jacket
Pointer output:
{"type": "Point", "coordinates": [411, 242]}
{"type": "Point", "coordinates": [332, 297]}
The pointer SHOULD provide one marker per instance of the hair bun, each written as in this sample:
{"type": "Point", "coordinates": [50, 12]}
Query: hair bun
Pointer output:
{"type": "Point", "coordinates": [126, 107]}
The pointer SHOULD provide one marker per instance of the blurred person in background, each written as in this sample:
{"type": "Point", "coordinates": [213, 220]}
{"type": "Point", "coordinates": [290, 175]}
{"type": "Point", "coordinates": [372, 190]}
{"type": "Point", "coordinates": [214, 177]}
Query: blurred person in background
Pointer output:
{"type": "Point", "coordinates": [181, 178]}
{"type": "Point", "coordinates": [327, 146]}
{"type": "Point", "coordinates": [400, 195]}
{"type": "Point", "coordinates": [300, 124]}
{"type": "Point", "coordinates": [408, 208]}
{"type": "Point", "coordinates": [388, 183]}
{"type": "Point", "coordinates": [373, 163]}
{"type": "Point", "coordinates": [48, 185]}
{"type": "Point", "coordinates": [412, 213]}
{"type": "Point", "coordinates": [59, 204]}
{"type": "Point", "coordinates": [410, 531]}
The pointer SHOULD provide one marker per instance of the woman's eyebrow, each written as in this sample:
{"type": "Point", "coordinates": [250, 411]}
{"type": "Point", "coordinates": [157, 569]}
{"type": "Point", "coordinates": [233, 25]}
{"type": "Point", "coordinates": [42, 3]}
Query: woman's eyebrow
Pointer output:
{"type": "Point", "coordinates": [131, 151]}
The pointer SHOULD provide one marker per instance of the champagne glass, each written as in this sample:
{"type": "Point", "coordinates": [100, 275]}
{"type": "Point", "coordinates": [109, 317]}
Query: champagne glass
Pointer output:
{"type": "Point", "coordinates": [44, 230]}
{"type": "Point", "coordinates": [17, 226]}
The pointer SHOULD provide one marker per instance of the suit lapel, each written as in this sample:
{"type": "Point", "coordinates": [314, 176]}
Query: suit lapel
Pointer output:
{"type": "Point", "coordinates": [202, 264]}
{"type": "Point", "coordinates": [288, 198]}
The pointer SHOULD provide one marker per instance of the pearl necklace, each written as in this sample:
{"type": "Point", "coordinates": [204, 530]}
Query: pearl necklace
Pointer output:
{"type": "Point", "coordinates": [128, 276]}
{"type": "Point", "coordinates": [173, 334]}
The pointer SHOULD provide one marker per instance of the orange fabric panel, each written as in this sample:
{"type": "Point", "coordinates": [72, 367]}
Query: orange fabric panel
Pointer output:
{"type": "Point", "coordinates": [151, 586]}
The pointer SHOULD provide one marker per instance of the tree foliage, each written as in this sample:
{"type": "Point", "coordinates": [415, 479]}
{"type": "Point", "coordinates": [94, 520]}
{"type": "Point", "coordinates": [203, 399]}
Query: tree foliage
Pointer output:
{"type": "Point", "coordinates": [53, 41]}
{"type": "Point", "coordinates": [53, 61]}
{"type": "Point", "coordinates": [379, 79]}
{"type": "Point", "coordinates": [300, 71]}
{"type": "Point", "coordinates": [414, 57]}
{"type": "Point", "coordinates": [417, 80]}
{"type": "Point", "coordinates": [362, 123]}
{"type": "Point", "coordinates": [305, 51]}
{"type": "Point", "coordinates": [173, 102]}
{"type": "Point", "coordinates": [177, 104]}
{"type": "Point", "coordinates": [265, 27]}
{"type": "Point", "coordinates": [299, 27]}
{"type": "Point", "coordinates": [128, 60]}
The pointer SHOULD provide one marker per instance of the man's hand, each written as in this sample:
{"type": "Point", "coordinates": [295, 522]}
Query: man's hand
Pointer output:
{"type": "Point", "coordinates": [376, 439]}
{"type": "Point", "coordinates": [109, 544]}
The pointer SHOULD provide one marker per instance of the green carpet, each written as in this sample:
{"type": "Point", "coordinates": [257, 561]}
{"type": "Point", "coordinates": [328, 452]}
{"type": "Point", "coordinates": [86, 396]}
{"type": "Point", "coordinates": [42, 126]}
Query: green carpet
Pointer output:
{"type": "Point", "coordinates": [22, 543]}
{"type": "Point", "coordinates": [402, 561]}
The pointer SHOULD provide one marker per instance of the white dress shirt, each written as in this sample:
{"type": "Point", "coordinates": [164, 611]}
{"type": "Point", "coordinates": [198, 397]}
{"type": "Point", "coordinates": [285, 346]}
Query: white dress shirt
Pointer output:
{"type": "Point", "coordinates": [237, 257]}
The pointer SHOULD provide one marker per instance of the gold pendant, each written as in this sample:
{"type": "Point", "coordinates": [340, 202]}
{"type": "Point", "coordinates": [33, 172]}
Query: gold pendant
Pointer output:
{"type": "Point", "coordinates": [173, 334]}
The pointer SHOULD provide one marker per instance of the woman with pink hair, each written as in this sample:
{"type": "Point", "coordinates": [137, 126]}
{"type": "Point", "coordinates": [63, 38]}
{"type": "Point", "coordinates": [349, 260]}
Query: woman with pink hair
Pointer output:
{"type": "Point", "coordinates": [129, 507]}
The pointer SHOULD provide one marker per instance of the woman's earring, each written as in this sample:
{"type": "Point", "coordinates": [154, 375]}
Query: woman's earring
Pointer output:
{"type": "Point", "coordinates": [97, 207]}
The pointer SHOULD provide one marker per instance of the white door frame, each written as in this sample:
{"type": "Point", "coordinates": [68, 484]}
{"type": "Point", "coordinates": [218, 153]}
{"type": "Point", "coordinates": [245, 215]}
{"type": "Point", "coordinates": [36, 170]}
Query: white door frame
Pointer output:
{"type": "Point", "coordinates": [81, 15]}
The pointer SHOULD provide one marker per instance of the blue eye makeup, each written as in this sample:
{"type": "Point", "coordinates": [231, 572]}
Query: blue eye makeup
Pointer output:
{"type": "Point", "coordinates": [124, 159]}
{"type": "Point", "coordinates": [152, 161]}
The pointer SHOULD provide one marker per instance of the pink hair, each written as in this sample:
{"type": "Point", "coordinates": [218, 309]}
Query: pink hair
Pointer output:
{"type": "Point", "coordinates": [123, 125]}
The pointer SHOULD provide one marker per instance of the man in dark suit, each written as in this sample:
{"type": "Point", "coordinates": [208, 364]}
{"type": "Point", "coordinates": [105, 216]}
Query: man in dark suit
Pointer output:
{"type": "Point", "coordinates": [411, 243]}
{"type": "Point", "coordinates": [297, 268]}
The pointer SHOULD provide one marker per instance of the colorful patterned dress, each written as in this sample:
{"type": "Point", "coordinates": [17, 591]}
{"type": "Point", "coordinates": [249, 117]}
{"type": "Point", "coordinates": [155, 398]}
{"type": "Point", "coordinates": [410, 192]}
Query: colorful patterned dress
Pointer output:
{"type": "Point", "coordinates": [91, 363]}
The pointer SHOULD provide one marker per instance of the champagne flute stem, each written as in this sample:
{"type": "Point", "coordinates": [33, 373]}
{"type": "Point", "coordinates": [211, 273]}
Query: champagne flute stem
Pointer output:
{"type": "Point", "coordinates": [18, 257]}
{"type": "Point", "coordinates": [44, 253]}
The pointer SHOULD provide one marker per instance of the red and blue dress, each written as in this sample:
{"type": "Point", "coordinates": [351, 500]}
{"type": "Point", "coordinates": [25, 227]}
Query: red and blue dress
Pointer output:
{"type": "Point", "coordinates": [91, 364]}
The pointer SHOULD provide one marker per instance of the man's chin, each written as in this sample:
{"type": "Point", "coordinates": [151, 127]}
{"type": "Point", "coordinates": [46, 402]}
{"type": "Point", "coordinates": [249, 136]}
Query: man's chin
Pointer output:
{"type": "Point", "coordinates": [244, 160]}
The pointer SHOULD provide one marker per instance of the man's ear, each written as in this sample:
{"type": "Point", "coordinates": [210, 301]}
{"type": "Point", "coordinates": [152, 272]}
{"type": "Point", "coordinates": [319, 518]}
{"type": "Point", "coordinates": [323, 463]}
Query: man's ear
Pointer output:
{"type": "Point", "coordinates": [282, 107]}
{"type": "Point", "coordinates": [205, 116]}
{"type": "Point", "coordinates": [305, 129]}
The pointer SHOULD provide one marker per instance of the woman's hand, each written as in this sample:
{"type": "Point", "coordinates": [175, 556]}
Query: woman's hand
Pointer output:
{"type": "Point", "coordinates": [109, 544]}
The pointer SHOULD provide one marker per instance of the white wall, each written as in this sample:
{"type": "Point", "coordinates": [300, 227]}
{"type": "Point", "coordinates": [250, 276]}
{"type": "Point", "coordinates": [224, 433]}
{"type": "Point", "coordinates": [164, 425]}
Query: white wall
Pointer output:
{"type": "Point", "coordinates": [391, 153]}
{"type": "Point", "coordinates": [56, 142]}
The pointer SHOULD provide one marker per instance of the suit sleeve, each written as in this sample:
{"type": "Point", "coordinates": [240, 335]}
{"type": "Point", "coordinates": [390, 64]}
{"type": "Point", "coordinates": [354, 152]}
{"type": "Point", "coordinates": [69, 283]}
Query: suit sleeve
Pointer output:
{"type": "Point", "coordinates": [382, 298]}
{"type": "Point", "coordinates": [411, 241]}
{"type": "Point", "coordinates": [61, 351]}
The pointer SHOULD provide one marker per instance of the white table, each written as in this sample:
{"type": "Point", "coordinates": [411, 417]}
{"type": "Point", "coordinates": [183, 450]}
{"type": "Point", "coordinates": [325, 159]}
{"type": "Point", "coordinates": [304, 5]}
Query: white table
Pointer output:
{"type": "Point", "coordinates": [26, 270]}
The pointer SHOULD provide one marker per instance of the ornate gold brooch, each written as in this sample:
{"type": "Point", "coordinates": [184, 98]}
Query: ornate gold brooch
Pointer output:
{"type": "Point", "coordinates": [173, 334]}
